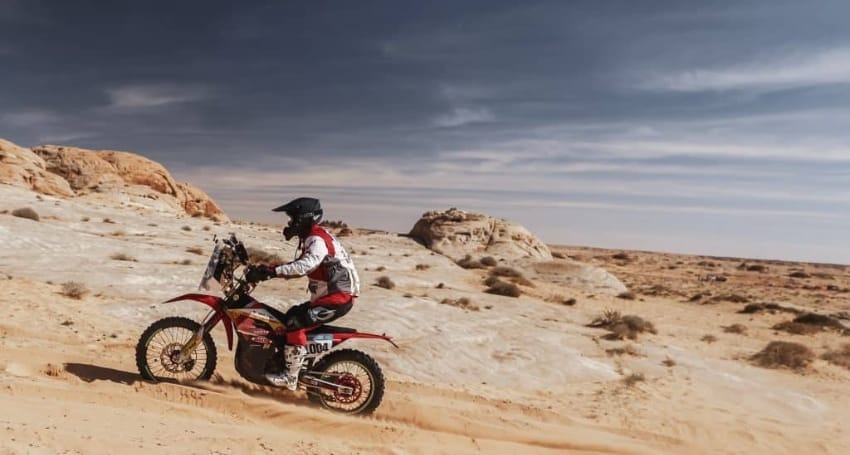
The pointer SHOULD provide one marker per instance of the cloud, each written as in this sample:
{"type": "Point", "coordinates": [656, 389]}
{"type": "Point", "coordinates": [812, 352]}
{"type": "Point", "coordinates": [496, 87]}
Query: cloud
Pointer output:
{"type": "Point", "coordinates": [30, 118]}
{"type": "Point", "coordinates": [463, 116]}
{"type": "Point", "coordinates": [150, 96]}
{"type": "Point", "coordinates": [831, 66]}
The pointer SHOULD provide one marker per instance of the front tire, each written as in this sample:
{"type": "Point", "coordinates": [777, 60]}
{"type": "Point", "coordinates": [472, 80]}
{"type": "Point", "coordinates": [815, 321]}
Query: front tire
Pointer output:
{"type": "Point", "coordinates": [354, 369]}
{"type": "Point", "coordinates": [157, 349]}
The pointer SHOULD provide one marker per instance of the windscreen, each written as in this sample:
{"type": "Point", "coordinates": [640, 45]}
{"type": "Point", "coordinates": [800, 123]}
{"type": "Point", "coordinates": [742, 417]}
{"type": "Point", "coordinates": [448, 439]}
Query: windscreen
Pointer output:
{"type": "Point", "coordinates": [211, 266]}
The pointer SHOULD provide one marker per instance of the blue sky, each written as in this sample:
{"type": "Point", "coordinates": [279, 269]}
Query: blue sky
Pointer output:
{"type": "Point", "coordinates": [703, 127]}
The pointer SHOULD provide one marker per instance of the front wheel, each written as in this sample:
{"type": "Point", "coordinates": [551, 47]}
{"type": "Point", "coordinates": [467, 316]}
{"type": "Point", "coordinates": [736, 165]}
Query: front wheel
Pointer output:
{"type": "Point", "coordinates": [353, 369]}
{"type": "Point", "coordinates": [158, 351]}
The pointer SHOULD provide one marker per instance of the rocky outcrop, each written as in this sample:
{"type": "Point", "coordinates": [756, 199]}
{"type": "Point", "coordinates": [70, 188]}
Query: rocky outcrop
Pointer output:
{"type": "Point", "coordinates": [71, 171]}
{"type": "Point", "coordinates": [456, 233]}
{"type": "Point", "coordinates": [23, 168]}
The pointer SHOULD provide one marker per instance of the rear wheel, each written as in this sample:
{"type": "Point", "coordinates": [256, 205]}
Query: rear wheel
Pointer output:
{"type": "Point", "coordinates": [355, 370]}
{"type": "Point", "coordinates": [158, 351]}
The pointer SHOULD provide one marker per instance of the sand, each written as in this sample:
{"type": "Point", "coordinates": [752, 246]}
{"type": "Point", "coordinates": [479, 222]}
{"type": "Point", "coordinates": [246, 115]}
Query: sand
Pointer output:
{"type": "Point", "coordinates": [522, 376]}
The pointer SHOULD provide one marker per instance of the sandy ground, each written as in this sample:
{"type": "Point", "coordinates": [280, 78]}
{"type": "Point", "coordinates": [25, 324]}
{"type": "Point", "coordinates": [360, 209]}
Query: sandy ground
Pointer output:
{"type": "Point", "coordinates": [520, 375]}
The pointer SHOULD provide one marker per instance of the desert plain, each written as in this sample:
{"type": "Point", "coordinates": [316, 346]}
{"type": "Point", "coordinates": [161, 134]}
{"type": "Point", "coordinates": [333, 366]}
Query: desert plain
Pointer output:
{"type": "Point", "coordinates": [601, 351]}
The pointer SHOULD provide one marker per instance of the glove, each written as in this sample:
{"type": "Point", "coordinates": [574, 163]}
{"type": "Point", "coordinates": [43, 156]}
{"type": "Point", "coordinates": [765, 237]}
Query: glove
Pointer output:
{"type": "Point", "coordinates": [257, 273]}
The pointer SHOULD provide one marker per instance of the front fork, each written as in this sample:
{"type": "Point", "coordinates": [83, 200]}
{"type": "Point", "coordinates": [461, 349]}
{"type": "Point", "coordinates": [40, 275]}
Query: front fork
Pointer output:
{"type": "Point", "coordinates": [187, 349]}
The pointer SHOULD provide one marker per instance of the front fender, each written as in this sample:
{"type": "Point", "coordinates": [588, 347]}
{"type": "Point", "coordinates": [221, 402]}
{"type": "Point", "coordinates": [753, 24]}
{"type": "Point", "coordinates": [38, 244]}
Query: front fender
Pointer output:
{"type": "Point", "coordinates": [217, 304]}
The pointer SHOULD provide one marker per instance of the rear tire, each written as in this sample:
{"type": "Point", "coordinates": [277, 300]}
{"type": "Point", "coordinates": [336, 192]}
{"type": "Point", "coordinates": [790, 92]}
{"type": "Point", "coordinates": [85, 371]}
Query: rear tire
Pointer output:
{"type": "Point", "coordinates": [159, 343]}
{"type": "Point", "coordinates": [353, 368]}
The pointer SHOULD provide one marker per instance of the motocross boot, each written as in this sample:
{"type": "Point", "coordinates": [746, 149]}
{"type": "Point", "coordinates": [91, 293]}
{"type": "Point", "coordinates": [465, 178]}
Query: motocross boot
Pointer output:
{"type": "Point", "coordinates": [294, 357]}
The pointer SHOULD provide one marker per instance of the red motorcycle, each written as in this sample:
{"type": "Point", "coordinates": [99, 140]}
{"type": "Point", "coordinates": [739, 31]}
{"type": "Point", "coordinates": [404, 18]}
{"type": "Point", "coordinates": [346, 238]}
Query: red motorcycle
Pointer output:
{"type": "Point", "coordinates": [178, 348]}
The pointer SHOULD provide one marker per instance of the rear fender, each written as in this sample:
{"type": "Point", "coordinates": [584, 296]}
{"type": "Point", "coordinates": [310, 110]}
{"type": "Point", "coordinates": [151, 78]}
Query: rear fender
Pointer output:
{"type": "Point", "coordinates": [341, 337]}
{"type": "Point", "coordinates": [217, 304]}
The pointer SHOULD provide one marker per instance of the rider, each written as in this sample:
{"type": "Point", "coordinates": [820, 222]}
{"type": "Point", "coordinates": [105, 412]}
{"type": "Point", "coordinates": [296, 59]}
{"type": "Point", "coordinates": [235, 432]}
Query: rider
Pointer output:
{"type": "Point", "coordinates": [333, 282]}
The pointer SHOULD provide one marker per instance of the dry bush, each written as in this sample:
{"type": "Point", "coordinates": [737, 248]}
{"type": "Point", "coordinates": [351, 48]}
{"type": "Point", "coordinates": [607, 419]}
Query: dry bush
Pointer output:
{"type": "Point", "coordinates": [523, 281]}
{"type": "Point", "coordinates": [840, 357]}
{"type": "Point", "coordinates": [422, 266]}
{"type": "Point", "coordinates": [772, 307]}
{"type": "Point", "coordinates": [468, 263]}
{"type": "Point", "coordinates": [708, 338]}
{"type": "Point", "coordinates": [207, 228]}
{"type": "Point", "coordinates": [799, 274]}
{"type": "Point", "coordinates": [333, 224]}
{"type": "Point", "coordinates": [795, 328]}
{"type": "Point", "coordinates": [735, 328]}
{"type": "Point", "coordinates": [506, 272]}
{"type": "Point", "coordinates": [186, 228]}
{"type": "Point", "coordinates": [74, 290]}
{"type": "Point", "coordinates": [258, 256]}
{"type": "Point", "coordinates": [119, 233]}
{"type": "Point", "coordinates": [499, 287]}
{"type": "Point", "coordinates": [195, 250]}
{"type": "Point", "coordinates": [734, 298]}
{"type": "Point", "coordinates": [810, 323]}
{"type": "Point", "coordinates": [184, 262]}
{"type": "Point", "coordinates": [622, 327]}
{"type": "Point", "coordinates": [385, 282]}
{"type": "Point", "coordinates": [85, 219]}
{"type": "Point", "coordinates": [463, 303]}
{"type": "Point", "coordinates": [440, 285]}
{"type": "Point", "coordinates": [628, 349]}
{"type": "Point", "coordinates": [621, 256]}
{"type": "Point", "coordinates": [108, 221]}
{"type": "Point", "coordinates": [489, 261]}
{"type": "Point", "coordinates": [380, 268]}
{"type": "Point", "coordinates": [559, 255]}
{"type": "Point", "coordinates": [756, 268]}
{"type": "Point", "coordinates": [27, 213]}
{"type": "Point", "coordinates": [626, 295]}
{"type": "Point", "coordinates": [555, 298]}
{"type": "Point", "coordinates": [122, 257]}
{"type": "Point", "coordinates": [668, 362]}
{"type": "Point", "coordinates": [633, 378]}
{"type": "Point", "coordinates": [784, 354]}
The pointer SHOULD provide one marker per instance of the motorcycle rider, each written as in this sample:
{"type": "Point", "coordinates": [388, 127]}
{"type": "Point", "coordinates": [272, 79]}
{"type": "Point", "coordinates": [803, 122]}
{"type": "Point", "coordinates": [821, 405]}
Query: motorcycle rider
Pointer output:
{"type": "Point", "coordinates": [333, 282]}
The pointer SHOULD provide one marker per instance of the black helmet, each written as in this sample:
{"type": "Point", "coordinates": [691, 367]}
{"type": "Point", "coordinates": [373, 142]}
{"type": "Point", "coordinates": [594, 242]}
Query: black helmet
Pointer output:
{"type": "Point", "coordinates": [304, 213]}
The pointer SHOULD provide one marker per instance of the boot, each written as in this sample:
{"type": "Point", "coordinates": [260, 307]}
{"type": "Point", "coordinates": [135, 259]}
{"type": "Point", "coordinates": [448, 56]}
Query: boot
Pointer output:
{"type": "Point", "coordinates": [294, 357]}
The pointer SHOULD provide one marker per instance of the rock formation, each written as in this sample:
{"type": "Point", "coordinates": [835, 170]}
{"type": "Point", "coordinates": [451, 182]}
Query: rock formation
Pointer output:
{"type": "Point", "coordinates": [456, 233]}
{"type": "Point", "coordinates": [70, 171]}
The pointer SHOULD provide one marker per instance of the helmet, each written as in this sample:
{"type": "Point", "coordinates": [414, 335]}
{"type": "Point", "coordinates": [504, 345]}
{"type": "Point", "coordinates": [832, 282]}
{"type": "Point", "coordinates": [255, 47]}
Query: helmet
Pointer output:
{"type": "Point", "coordinates": [304, 213]}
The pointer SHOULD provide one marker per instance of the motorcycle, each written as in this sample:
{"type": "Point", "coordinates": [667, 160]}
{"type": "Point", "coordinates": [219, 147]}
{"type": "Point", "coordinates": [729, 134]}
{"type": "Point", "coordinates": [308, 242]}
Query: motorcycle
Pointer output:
{"type": "Point", "coordinates": [177, 348]}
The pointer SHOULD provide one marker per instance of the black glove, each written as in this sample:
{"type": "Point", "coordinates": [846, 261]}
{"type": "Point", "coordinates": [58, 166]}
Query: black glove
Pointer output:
{"type": "Point", "coordinates": [257, 273]}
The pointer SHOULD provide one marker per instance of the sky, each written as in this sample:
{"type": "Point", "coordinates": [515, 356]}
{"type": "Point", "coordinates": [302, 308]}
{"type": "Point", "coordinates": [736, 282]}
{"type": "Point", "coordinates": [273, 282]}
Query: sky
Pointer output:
{"type": "Point", "coordinates": [711, 127]}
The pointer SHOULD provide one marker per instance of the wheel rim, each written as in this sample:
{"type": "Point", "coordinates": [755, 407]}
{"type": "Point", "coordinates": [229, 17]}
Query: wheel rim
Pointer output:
{"type": "Point", "coordinates": [353, 375]}
{"type": "Point", "coordinates": [164, 347]}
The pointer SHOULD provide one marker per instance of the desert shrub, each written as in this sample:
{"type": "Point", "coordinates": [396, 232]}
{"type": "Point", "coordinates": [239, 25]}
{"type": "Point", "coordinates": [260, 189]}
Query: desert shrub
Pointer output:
{"type": "Point", "coordinates": [258, 256]}
{"type": "Point", "coordinates": [27, 213]}
{"type": "Point", "coordinates": [708, 338]}
{"type": "Point", "coordinates": [499, 287]}
{"type": "Point", "coordinates": [633, 378]}
{"type": "Point", "coordinates": [569, 302]}
{"type": "Point", "coordinates": [207, 228]}
{"type": "Point", "coordinates": [621, 327]}
{"type": "Point", "coordinates": [74, 290]}
{"type": "Point", "coordinates": [756, 268]}
{"type": "Point", "coordinates": [491, 280]}
{"type": "Point", "coordinates": [840, 357]}
{"type": "Point", "coordinates": [523, 281]}
{"type": "Point", "coordinates": [422, 266]}
{"type": "Point", "coordinates": [186, 228]}
{"type": "Point", "coordinates": [440, 285]}
{"type": "Point", "coordinates": [489, 261]}
{"type": "Point", "coordinates": [505, 272]}
{"type": "Point", "coordinates": [796, 328]}
{"type": "Point", "coordinates": [820, 320]}
{"type": "Point", "coordinates": [108, 221]}
{"type": "Point", "coordinates": [626, 295]}
{"type": "Point", "coordinates": [468, 263]}
{"type": "Point", "coordinates": [463, 303]}
{"type": "Point", "coordinates": [333, 224]}
{"type": "Point", "coordinates": [628, 349]}
{"type": "Point", "coordinates": [85, 219]}
{"type": "Point", "coordinates": [380, 268]}
{"type": "Point", "coordinates": [556, 298]}
{"type": "Point", "coordinates": [772, 307]}
{"type": "Point", "coordinates": [195, 250]}
{"type": "Point", "coordinates": [385, 282]}
{"type": "Point", "coordinates": [668, 362]}
{"type": "Point", "coordinates": [184, 262]}
{"type": "Point", "coordinates": [119, 233]}
{"type": "Point", "coordinates": [122, 257]}
{"type": "Point", "coordinates": [621, 256]}
{"type": "Point", "coordinates": [559, 255]}
{"type": "Point", "coordinates": [734, 298]}
{"type": "Point", "coordinates": [799, 274]}
{"type": "Point", "coordinates": [784, 354]}
{"type": "Point", "coordinates": [735, 328]}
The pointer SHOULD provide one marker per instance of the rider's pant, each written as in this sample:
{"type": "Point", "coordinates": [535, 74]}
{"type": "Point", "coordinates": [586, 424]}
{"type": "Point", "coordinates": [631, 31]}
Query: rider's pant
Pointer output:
{"type": "Point", "coordinates": [307, 315]}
